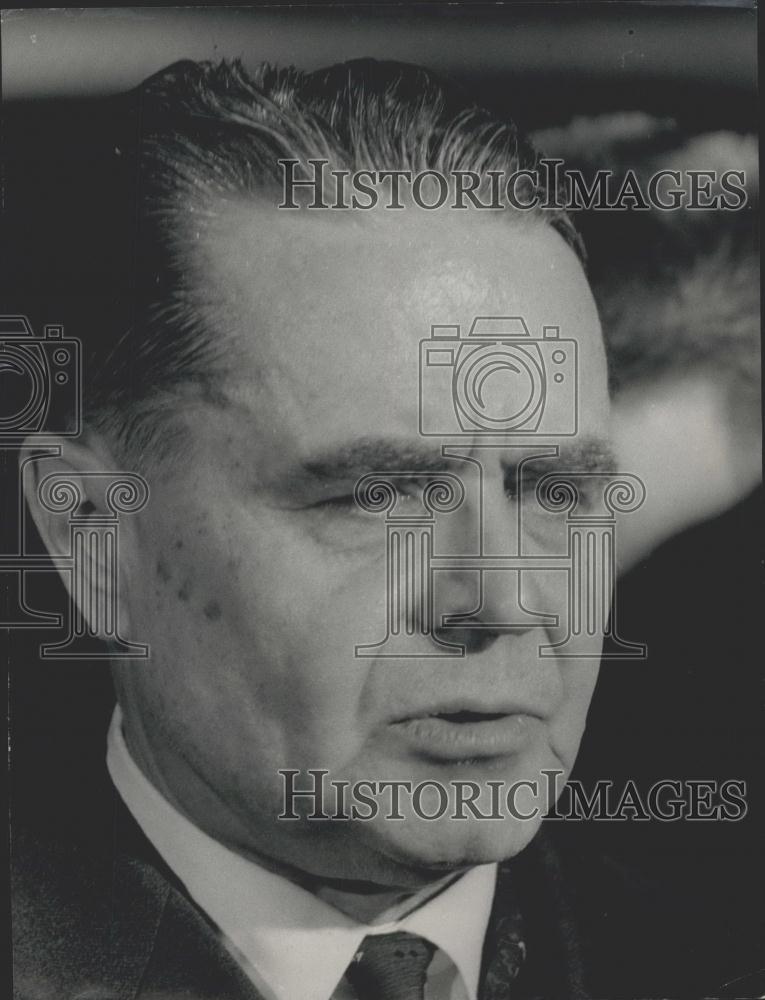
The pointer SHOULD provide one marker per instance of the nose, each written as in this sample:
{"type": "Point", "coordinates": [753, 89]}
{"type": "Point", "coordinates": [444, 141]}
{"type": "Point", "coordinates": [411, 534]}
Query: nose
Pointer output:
{"type": "Point", "coordinates": [473, 635]}
{"type": "Point", "coordinates": [493, 603]}
{"type": "Point", "coordinates": [473, 607]}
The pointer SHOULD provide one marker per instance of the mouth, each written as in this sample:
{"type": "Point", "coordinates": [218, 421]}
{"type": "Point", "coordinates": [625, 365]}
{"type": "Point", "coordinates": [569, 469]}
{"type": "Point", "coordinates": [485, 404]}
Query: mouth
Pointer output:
{"type": "Point", "coordinates": [459, 734]}
{"type": "Point", "coordinates": [465, 715]}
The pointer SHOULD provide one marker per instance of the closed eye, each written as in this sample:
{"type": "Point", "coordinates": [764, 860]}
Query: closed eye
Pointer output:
{"type": "Point", "coordinates": [346, 503]}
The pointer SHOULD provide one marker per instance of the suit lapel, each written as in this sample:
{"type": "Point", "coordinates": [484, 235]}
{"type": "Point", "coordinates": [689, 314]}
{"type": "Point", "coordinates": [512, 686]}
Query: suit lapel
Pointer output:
{"type": "Point", "coordinates": [181, 952]}
{"type": "Point", "coordinates": [83, 926]}
{"type": "Point", "coordinates": [188, 959]}
{"type": "Point", "coordinates": [532, 944]}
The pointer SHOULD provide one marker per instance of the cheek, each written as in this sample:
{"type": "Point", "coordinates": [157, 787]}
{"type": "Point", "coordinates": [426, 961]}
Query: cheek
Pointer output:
{"type": "Point", "coordinates": [579, 681]}
{"type": "Point", "coordinates": [277, 615]}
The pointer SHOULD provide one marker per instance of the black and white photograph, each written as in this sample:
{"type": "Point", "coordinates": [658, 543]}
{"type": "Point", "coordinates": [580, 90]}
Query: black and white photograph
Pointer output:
{"type": "Point", "coordinates": [381, 551]}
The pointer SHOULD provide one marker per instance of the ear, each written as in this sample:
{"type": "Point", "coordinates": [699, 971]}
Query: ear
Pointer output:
{"type": "Point", "coordinates": [75, 499]}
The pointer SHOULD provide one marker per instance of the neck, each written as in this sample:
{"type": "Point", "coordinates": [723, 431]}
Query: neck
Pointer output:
{"type": "Point", "coordinates": [379, 906]}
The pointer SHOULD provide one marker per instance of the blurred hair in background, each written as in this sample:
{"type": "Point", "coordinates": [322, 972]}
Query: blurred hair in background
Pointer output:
{"type": "Point", "coordinates": [678, 296]}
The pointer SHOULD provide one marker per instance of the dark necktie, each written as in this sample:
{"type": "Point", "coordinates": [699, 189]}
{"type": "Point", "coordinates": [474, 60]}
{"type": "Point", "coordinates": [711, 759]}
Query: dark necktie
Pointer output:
{"type": "Point", "coordinates": [391, 967]}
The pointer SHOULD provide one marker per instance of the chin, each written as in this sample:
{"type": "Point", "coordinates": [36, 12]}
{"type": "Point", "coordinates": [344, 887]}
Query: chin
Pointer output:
{"type": "Point", "coordinates": [438, 833]}
{"type": "Point", "coordinates": [448, 844]}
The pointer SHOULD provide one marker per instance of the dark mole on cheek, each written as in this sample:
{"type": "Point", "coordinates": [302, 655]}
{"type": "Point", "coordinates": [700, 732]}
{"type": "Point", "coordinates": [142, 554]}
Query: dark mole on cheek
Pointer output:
{"type": "Point", "coordinates": [212, 611]}
{"type": "Point", "coordinates": [179, 543]}
{"type": "Point", "coordinates": [162, 571]}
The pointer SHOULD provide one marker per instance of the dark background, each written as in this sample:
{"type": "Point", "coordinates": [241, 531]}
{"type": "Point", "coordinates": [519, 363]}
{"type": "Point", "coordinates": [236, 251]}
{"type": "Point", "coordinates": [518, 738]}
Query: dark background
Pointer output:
{"type": "Point", "coordinates": [541, 62]}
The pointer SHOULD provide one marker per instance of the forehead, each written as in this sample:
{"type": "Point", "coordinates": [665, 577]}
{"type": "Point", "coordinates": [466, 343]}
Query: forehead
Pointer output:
{"type": "Point", "coordinates": [326, 311]}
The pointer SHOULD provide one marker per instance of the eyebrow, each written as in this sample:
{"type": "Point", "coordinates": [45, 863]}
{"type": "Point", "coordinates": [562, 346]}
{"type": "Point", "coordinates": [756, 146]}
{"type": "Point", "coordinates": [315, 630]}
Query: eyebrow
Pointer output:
{"type": "Point", "coordinates": [350, 462]}
{"type": "Point", "coordinates": [375, 455]}
{"type": "Point", "coordinates": [591, 454]}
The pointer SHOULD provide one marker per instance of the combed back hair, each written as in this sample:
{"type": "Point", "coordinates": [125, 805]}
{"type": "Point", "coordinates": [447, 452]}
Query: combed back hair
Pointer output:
{"type": "Point", "coordinates": [116, 192]}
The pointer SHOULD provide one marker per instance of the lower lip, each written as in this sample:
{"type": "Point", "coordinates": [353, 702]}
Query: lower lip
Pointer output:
{"type": "Point", "coordinates": [441, 739]}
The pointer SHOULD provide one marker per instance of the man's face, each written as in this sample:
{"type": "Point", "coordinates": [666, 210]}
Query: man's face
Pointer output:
{"type": "Point", "coordinates": [255, 576]}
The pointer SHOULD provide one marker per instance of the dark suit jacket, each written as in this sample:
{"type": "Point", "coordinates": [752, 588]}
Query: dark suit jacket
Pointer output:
{"type": "Point", "coordinates": [98, 916]}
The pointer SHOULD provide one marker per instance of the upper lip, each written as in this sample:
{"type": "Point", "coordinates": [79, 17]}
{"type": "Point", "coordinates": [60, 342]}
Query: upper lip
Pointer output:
{"type": "Point", "coordinates": [477, 706]}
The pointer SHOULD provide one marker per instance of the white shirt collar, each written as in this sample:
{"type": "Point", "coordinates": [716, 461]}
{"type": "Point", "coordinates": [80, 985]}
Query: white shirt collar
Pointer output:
{"type": "Point", "coordinates": [293, 945]}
